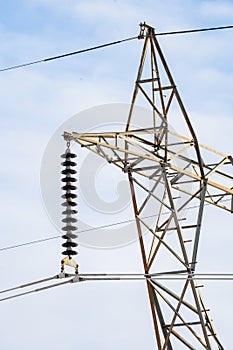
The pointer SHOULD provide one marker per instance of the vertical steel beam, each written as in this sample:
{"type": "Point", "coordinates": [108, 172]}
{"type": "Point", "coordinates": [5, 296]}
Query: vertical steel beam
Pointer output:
{"type": "Point", "coordinates": [180, 104]}
{"type": "Point", "coordinates": [199, 221]}
{"type": "Point", "coordinates": [161, 319]}
{"type": "Point", "coordinates": [144, 260]}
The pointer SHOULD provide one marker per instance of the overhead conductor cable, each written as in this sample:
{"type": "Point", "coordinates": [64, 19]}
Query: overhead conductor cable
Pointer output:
{"type": "Point", "coordinates": [68, 54]}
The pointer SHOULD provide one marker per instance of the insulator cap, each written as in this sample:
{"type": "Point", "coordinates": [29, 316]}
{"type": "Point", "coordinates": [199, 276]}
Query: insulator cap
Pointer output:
{"type": "Point", "coordinates": [68, 163]}
{"type": "Point", "coordinates": [69, 228]}
{"type": "Point", "coordinates": [69, 171]}
{"type": "Point", "coordinates": [68, 155]}
{"type": "Point", "coordinates": [69, 252]}
{"type": "Point", "coordinates": [68, 179]}
{"type": "Point", "coordinates": [69, 195]}
{"type": "Point", "coordinates": [69, 187]}
{"type": "Point", "coordinates": [69, 236]}
{"type": "Point", "coordinates": [69, 220]}
{"type": "Point", "coordinates": [69, 212]}
{"type": "Point", "coordinates": [69, 244]}
{"type": "Point", "coordinates": [69, 203]}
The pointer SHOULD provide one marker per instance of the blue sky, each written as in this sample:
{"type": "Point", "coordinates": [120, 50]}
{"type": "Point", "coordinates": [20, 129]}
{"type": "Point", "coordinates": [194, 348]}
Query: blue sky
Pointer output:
{"type": "Point", "coordinates": [36, 100]}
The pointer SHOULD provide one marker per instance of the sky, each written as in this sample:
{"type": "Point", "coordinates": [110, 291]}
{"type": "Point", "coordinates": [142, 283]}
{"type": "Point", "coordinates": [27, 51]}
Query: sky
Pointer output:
{"type": "Point", "coordinates": [38, 100]}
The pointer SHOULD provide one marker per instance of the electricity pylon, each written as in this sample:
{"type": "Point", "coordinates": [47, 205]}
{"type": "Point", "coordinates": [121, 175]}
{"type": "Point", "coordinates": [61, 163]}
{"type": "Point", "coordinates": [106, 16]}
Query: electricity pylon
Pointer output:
{"type": "Point", "coordinates": [167, 173]}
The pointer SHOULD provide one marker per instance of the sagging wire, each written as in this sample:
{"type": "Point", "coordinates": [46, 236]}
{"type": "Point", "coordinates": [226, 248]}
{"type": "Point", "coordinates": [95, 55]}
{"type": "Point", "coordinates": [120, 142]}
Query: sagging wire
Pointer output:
{"type": "Point", "coordinates": [62, 275]}
{"type": "Point", "coordinates": [42, 240]}
{"type": "Point", "coordinates": [72, 53]}
{"type": "Point", "coordinates": [49, 59]}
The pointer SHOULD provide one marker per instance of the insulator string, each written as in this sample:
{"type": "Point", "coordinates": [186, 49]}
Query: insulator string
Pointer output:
{"type": "Point", "coordinates": [69, 221]}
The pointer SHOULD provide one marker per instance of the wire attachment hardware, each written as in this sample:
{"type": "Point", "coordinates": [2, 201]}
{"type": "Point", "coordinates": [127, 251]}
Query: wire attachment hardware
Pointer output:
{"type": "Point", "coordinates": [69, 220]}
{"type": "Point", "coordinates": [142, 31]}
{"type": "Point", "coordinates": [145, 30]}
{"type": "Point", "coordinates": [69, 262]}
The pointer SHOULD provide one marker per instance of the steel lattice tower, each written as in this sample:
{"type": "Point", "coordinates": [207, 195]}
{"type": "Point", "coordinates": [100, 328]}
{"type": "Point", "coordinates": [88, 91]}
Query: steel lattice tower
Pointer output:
{"type": "Point", "coordinates": [169, 173]}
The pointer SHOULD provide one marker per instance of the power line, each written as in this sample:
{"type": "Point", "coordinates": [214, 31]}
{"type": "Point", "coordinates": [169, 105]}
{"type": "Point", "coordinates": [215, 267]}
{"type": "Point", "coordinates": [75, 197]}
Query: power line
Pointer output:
{"type": "Point", "coordinates": [72, 53]}
{"type": "Point", "coordinates": [59, 236]}
{"type": "Point", "coordinates": [89, 229]}
{"type": "Point", "coordinates": [30, 242]}
{"type": "Point", "coordinates": [36, 290]}
{"type": "Point", "coordinates": [194, 30]}
{"type": "Point", "coordinates": [28, 284]}
{"type": "Point", "coordinates": [114, 277]}
{"type": "Point", "coordinates": [67, 54]}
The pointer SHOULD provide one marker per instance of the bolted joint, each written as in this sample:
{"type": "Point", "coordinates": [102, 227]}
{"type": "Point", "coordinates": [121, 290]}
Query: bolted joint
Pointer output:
{"type": "Point", "coordinates": [145, 30]}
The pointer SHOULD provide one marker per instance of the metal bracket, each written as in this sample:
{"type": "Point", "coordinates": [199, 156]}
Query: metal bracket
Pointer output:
{"type": "Point", "coordinates": [69, 262]}
{"type": "Point", "coordinates": [62, 275]}
{"type": "Point", "coordinates": [77, 279]}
